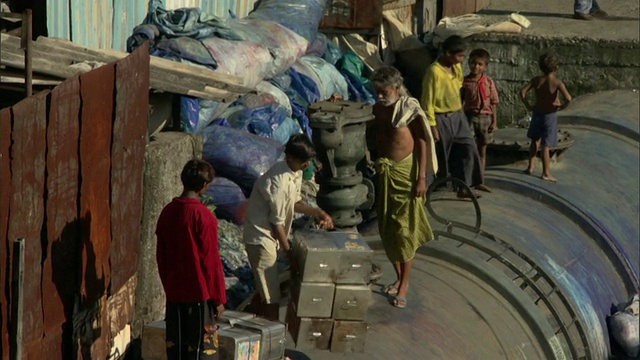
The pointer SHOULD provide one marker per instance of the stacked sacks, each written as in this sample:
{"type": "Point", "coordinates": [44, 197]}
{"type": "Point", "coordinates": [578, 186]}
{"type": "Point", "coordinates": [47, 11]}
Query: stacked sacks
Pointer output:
{"type": "Point", "coordinates": [228, 199]}
{"type": "Point", "coordinates": [238, 155]}
{"type": "Point", "coordinates": [303, 17]}
{"type": "Point", "coordinates": [260, 115]}
{"type": "Point", "coordinates": [252, 49]}
{"type": "Point", "coordinates": [327, 77]}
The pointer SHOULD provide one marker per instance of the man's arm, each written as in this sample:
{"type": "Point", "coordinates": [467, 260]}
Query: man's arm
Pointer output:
{"type": "Point", "coordinates": [276, 197]}
{"type": "Point", "coordinates": [325, 220]}
{"type": "Point", "coordinates": [423, 147]}
{"type": "Point", "coordinates": [281, 236]}
{"type": "Point", "coordinates": [565, 94]}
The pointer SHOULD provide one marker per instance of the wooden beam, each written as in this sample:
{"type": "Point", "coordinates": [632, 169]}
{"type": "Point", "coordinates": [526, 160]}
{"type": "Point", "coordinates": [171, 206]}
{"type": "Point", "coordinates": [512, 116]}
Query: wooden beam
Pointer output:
{"type": "Point", "coordinates": [54, 57]}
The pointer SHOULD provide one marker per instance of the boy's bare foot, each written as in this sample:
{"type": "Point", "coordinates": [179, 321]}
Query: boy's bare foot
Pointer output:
{"type": "Point", "coordinates": [528, 171]}
{"type": "Point", "coordinates": [581, 16]}
{"type": "Point", "coordinates": [549, 178]}
{"type": "Point", "coordinates": [483, 187]}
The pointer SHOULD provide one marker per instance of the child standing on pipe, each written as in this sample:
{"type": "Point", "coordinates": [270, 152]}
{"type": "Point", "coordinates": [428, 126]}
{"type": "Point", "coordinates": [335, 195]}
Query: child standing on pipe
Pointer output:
{"type": "Point", "coordinates": [543, 130]}
{"type": "Point", "coordinates": [480, 102]}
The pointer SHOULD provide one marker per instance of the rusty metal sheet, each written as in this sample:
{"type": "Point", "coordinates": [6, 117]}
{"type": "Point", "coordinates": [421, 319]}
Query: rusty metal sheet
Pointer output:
{"type": "Point", "coordinates": [95, 146]}
{"type": "Point", "coordinates": [454, 8]}
{"type": "Point", "coordinates": [5, 199]}
{"type": "Point", "coordinates": [60, 266]}
{"type": "Point", "coordinates": [26, 213]}
{"type": "Point", "coordinates": [352, 14]}
{"type": "Point", "coordinates": [127, 162]}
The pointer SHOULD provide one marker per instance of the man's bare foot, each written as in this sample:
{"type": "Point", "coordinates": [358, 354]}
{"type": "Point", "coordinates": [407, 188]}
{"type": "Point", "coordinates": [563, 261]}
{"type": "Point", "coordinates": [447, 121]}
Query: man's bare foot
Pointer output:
{"type": "Point", "coordinates": [483, 187]}
{"type": "Point", "coordinates": [468, 195]}
{"type": "Point", "coordinates": [549, 178]}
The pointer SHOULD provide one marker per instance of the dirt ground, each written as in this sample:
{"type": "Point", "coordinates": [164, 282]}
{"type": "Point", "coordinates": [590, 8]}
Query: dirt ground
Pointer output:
{"type": "Point", "coordinates": [553, 18]}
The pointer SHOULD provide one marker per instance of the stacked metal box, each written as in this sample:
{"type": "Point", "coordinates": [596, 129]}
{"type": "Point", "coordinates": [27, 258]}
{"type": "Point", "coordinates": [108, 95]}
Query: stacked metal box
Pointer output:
{"type": "Point", "coordinates": [330, 295]}
{"type": "Point", "coordinates": [241, 336]}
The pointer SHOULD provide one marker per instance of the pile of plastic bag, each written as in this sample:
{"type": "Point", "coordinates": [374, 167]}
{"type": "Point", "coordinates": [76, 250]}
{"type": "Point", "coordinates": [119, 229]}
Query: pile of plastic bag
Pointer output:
{"type": "Point", "coordinates": [278, 51]}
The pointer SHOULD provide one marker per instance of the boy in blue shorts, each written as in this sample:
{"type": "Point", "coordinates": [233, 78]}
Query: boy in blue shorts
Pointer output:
{"type": "Point", "coordinates": [543, 130]}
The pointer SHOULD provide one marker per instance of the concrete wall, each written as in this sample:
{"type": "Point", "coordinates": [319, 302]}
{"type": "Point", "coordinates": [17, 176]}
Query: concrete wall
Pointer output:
{"type": "Point", "coordinates": [586, 66]}
{"type": "Point", "coordinates": [164, 159]}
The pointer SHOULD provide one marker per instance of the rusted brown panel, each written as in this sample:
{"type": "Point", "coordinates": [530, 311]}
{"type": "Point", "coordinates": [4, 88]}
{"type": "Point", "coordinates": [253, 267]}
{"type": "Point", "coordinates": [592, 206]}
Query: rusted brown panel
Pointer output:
{"type": "Point", "coordinates": [60, 266]}
{"type": "Point", "coordinates": [127, 161]}
{"type": "Point", "coordinates": [49, 347]}
{"type": "Point", "coordinates": [481, 4]}
{"type": "Point", "coordinates": [5, 199]}
{"type": "Point", "coordinates": [454, 8]}
{"type": "Point", "coordinates": [352, 14]}
{"type": "Point", "coordinates": [95, 148]}
{"type": "Point", "coordinates": [26, 213]}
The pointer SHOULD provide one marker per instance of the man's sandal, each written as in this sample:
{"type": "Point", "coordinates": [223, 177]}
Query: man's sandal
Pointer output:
{"type": "Point", "coordinates": [390, 290]}
{"type": "Point", "coordinates": [399, 302]}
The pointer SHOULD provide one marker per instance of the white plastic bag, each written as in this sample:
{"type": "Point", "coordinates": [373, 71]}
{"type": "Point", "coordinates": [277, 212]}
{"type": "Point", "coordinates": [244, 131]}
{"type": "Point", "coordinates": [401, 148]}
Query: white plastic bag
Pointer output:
{"type": "Point", "coordinates": [624, 327]}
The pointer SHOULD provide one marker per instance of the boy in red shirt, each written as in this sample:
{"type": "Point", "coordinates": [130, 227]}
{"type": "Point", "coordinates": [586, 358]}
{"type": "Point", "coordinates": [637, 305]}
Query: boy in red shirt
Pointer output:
{"type": "Point", "coordinates": [480, 101]}
{"type": "Point", "coordinates": [190, 268]}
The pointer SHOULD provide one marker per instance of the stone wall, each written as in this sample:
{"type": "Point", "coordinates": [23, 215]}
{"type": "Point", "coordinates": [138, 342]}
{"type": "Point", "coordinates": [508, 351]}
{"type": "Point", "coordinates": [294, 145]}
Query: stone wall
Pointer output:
{"type": "Point", "coordinates": [587, 66]}
{"type": "Point", "coordinates": [164, 159]}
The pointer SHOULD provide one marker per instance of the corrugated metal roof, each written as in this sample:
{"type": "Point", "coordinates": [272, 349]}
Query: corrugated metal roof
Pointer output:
{"type": "Point", "coordinates": [91, 23]}
{"type": "Point", "coordinates": [219, 8]}
{"type": "Point", "coordinates": [58, 23]}
{"type": "Point", "coordinates": [177, 4]}
{"type": "Point", "coordinates": [108, 23]}
{"type": "Point", "coordinates": [101, 24]}
{"type": "Point", "coordinates": [127, 15]}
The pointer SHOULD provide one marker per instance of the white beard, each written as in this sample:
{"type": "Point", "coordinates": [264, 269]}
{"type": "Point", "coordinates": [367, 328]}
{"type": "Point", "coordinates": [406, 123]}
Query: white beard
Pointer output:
{"type": "Point", "coordinates": [388, 102]}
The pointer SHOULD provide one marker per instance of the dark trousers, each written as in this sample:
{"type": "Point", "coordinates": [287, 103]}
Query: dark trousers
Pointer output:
{"type": "Point", "coordinates": [457, 151]}
{"type": "Point", "coordinates": [192, 333]}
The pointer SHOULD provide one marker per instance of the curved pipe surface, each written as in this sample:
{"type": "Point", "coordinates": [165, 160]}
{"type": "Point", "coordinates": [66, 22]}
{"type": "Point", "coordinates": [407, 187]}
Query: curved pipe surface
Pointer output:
{"type": "Point", "coordinates": [538, 277]}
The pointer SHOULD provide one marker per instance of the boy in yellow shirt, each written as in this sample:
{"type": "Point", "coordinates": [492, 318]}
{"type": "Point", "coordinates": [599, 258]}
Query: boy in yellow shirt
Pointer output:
{"type": "Point", "coordinates": [442, 105]}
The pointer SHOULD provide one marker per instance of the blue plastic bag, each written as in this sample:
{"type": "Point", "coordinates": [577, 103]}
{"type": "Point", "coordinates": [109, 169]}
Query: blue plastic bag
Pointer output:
{"type": "Point", "coordinates": [303, 17]}
{"type": "Point", "coordinates": [228, 199]}
{"type": "Point", "coordinates": [238, 155]}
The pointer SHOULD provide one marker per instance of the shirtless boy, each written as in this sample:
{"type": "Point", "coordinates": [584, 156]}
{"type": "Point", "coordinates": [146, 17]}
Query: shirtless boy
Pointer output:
{"type": "Point", "coordinates": [407, 158]}
{"type": "Point", "coordinates": [543, 130]}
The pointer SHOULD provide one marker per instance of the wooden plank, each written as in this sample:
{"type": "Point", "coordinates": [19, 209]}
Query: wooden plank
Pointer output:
{"type": "Point", "coordinates": [220, 80]}
{"type": "Point", "coordinates": [390, 5]}
{"type": "Point", "coordinates": [127, 162]}
{"type": "Point", "coordinates": [54, 56]}
{"type": "Point", "coordinates": [60, 267]}
{"type": "Point", "coordinates": [95, 148]}
{"type": "Point", "coordinates": [26, 213]}
{"type": "Point", "coordinates": [5, 249]}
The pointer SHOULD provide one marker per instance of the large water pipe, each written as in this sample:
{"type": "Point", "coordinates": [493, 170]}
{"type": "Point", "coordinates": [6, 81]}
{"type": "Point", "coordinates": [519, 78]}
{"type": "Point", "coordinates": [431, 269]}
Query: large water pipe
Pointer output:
{"type": "Point", "coordinates": [534, 273]}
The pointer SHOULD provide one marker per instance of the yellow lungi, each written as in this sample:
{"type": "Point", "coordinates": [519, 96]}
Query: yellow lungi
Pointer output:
{"type": "Point", "coordinates": [402, 217]}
